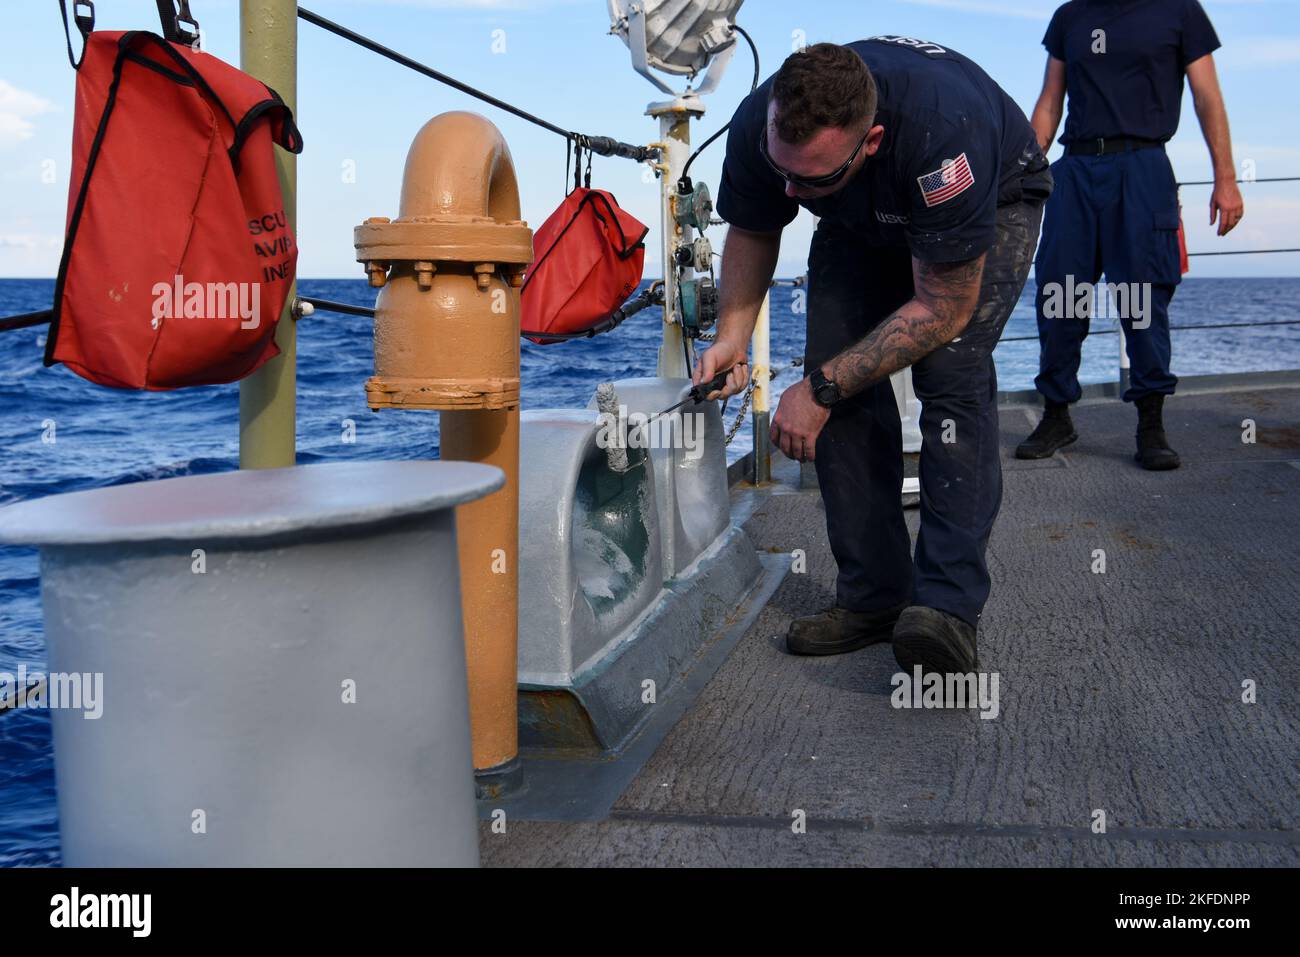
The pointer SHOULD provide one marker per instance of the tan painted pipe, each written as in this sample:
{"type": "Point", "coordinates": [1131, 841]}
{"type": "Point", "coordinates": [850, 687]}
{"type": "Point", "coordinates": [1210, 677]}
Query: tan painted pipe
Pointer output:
{"type": "Point", "coordinates": [447, 337]}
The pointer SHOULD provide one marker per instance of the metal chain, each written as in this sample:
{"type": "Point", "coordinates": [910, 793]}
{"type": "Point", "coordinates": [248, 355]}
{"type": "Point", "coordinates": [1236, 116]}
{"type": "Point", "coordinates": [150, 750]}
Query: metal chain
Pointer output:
{"type": "Point", "coordinates": [740, 416]}
{"type": "Point", "coordinates": [749, 391]}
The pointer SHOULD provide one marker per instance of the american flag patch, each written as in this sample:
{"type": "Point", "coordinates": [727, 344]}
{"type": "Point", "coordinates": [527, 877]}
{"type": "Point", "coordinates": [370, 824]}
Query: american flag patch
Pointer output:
{"type": "Point", "coordinates": [950, 179]}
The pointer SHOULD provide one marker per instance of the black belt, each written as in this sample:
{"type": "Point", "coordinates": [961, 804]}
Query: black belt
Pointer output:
{"type": "Point", "coordinates": [1101, 147]}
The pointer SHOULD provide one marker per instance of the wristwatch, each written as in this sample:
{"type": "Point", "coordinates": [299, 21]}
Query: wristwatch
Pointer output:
{"type": "Point", "coordinates": [825, 392]}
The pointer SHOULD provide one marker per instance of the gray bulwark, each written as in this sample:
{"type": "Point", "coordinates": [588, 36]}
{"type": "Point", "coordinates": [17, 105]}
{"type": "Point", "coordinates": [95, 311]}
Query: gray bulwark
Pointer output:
{"type": "Point", "coordinates": [282, 660]}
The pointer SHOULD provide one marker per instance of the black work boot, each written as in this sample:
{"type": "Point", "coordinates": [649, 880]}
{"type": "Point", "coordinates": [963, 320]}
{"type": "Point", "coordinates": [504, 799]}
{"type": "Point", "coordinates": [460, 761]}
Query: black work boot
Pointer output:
{"type": "Point", "coordinates": [1055, 431]}
{"type": "Point", "coordinates": [1153, 451]}
{"type": "Point", "coordinates": [838, 630]}
{"type": "Point", "coordinates": [935, 640]}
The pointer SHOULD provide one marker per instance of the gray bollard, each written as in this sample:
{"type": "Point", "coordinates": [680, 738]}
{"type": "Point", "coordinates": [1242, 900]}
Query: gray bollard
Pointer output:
{"type": "Point", "coordinates": [283, 666]}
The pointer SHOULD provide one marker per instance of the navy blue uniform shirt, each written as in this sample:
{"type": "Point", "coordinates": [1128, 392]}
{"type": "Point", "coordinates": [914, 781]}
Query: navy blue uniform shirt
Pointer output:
{"type": "Point", "coordinates": [955, 148]}
{"type": "Point", "coordinates": [1135, 87]}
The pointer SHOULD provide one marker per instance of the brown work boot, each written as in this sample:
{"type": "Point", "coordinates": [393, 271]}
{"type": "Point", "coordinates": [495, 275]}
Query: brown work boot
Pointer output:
{"type": "Point", "coordinates": [837, 630]}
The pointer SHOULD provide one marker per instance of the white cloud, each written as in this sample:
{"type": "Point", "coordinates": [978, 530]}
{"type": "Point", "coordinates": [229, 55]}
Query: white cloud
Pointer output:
{"type": "Point", "coordinates": [1191, 159]}
{"type": "Point", "coordinates": [28, 253]}
{"type": "Point", "coordinates": [1269, 223]}
{"type": "Point", "coordinates": [16, 108]}
{"type": "Point", "coordinates": [29, 241]}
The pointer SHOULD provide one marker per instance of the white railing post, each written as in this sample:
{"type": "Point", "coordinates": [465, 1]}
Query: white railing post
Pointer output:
{"type": "Point", "coordinates": [761, 370]}
{"type": "Point", "coordinates": [1123, 361]}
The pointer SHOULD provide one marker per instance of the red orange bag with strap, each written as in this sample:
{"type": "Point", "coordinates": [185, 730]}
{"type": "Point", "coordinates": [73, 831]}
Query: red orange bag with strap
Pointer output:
{"type": "Point", "coordinates": [590, 256]}
{"type": "Point", "coordinates": [178, 257]}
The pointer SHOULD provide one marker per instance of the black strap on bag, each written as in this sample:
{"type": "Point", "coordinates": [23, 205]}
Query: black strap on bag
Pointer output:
{"type": "Point", "coordinates": [172, 19]}
{"type": "Point", "coordinates": [85, 23]}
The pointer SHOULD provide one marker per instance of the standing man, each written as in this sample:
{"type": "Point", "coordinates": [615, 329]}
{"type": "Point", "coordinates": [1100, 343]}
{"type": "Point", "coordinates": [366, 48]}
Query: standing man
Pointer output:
{"type": "Point", "coordinates": [929, 183]}
{"type": "Point", "coordinates": [1115, 209]}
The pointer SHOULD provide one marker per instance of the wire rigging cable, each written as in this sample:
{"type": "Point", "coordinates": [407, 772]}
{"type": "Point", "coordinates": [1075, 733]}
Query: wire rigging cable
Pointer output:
{"type": "Point", "coordinates": [600, 144]}
{"type": "Point", "coordinates": [1274, 179]}
{"type": "Point", "coordinates": [1174, 328]}
{"type": "Point", "coordinates": [643, 300]}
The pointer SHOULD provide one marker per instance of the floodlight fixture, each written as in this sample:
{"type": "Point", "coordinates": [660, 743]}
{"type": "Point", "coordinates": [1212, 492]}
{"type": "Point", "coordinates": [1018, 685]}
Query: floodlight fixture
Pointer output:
{"type": "Point", "coordinates": [681, 37]}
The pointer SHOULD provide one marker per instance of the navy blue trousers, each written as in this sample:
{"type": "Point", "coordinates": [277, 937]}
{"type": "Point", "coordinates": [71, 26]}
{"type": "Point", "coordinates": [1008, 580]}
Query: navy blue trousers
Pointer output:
{"type": "Point", "coordinates": [852, 287]}
{"type": "Point", "coordinates": [1117, 215]}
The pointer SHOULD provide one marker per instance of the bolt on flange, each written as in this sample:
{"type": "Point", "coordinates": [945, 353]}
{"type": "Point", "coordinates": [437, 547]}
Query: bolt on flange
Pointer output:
{"type": "Point", "coordinates": [483, 273]}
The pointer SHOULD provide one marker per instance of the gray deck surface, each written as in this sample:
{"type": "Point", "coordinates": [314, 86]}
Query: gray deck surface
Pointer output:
{"type": "Point", "coordinates": [1119, 691]}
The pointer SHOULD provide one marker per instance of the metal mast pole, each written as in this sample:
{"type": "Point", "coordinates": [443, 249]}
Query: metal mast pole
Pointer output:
{"type": "Point", "coordinates": [268, 50]}
{"type": "Point", "coordinates": [675, 134]}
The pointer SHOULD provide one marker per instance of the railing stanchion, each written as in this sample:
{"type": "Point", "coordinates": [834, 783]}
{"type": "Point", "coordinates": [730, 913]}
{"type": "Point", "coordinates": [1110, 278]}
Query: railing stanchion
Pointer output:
{"type": "Point", "coordinates": [761, 370]}
{"type": "Point", "coordinates": [1123, 361]}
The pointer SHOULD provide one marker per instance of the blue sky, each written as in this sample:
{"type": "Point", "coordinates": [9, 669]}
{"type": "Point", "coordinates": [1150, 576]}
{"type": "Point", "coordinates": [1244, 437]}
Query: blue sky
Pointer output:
{"type": "Point", "coordinates": [554, 58]}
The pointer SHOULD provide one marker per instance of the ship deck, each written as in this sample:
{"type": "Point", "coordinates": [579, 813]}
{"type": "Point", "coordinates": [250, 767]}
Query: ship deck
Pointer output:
{"type": "Point", "coordinates": [1120, 692]}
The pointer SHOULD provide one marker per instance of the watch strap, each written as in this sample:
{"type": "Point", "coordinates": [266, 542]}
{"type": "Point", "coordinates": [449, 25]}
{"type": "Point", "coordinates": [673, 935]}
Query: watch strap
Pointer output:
{"type": "Point", "coordinates": [820, 384]}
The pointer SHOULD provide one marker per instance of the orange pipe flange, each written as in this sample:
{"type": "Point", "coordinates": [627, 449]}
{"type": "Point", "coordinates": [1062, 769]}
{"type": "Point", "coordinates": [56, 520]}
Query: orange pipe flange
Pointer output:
{"type": "Point", "coordinates": [447, 338]}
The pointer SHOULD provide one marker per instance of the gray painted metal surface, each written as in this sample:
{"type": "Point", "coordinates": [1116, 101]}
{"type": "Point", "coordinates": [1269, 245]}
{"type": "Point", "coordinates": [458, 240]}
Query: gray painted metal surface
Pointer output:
{"type": "Point", "coordinates": [589, 555]}
{"type": "Point", "coordinates": [583, 786]}
{"type": "Point", "coordinates": [225, 736]}
{"type": "Point", "coordinates": [1119, 691]}
{"type": "Point", "coordinates": [641, 667]}
{"type": "Point", "coordinates": [623, 575]}
{"type": "Point", "coordinates": [690, 485]}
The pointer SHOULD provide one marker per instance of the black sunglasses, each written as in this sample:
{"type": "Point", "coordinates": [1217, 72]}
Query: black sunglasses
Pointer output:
{"type": "Point", "coordinates": [810, 182]}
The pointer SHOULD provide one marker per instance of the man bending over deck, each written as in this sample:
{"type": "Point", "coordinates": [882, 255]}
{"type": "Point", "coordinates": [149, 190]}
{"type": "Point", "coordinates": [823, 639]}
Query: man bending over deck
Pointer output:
{"type": "Point", "coordinates": [1116, 204]}
{"type": "Point", "coordinates": [929, 185]}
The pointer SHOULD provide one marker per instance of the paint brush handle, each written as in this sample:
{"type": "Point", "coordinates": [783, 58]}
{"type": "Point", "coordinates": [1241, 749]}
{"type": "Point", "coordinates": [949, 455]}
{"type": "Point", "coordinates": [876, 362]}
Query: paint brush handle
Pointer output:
{"type": "Point", "coordinates": [704, 388]}
{"type": "Point", "coordinates": [697, 393]}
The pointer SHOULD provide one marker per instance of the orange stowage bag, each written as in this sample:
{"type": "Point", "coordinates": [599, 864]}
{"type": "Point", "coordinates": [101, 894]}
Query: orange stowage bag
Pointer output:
{"type": "Point", "coordinates": [590, 255]}
{"type": "Point", "coordinates": [178, 258]}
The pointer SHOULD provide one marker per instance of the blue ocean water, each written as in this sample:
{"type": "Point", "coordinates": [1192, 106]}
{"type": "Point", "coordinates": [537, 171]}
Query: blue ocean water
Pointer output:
{"type": "Point", "coordinates": [109, 437]}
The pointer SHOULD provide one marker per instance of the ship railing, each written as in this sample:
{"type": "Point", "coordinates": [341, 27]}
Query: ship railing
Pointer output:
{"type": "Point", "coordinates": [757, 465]}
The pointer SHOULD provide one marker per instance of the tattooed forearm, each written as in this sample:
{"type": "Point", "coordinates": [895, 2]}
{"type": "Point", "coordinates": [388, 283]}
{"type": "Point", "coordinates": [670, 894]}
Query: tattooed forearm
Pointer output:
{"type": "Point", "coordinates": [911, 333]}
{"type": "Point", "coordinates": [949, 290]}
{"type": "Point", "coordinates": [946, 295]}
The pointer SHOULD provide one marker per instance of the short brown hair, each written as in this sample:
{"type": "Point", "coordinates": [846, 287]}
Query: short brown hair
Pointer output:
{"type": "Point", "coordinates": [822, 85]}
